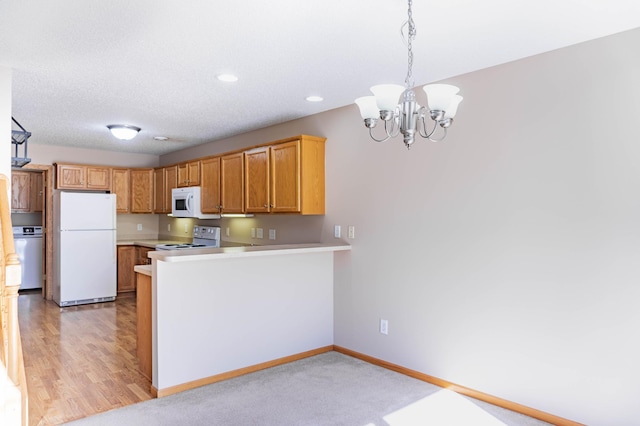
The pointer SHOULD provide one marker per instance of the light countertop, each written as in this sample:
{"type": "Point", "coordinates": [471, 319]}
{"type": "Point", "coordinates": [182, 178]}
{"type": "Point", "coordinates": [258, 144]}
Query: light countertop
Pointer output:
{"type": "Point", "coordinates": [186, 255]}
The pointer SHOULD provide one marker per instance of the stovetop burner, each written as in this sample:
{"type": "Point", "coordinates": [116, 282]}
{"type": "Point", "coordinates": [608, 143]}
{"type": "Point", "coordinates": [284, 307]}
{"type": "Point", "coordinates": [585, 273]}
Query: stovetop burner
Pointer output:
{"type": "Point", "coordinates": [203, 237]}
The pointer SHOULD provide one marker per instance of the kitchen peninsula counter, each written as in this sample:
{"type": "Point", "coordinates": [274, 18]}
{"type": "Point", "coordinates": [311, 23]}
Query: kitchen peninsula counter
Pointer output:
{"type": "Point", "coordinates": [186, 255]}
{"type": "Point", "coordinates": [221, 312]}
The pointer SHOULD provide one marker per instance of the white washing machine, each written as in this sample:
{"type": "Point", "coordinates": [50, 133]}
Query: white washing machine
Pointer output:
{"type": "Point", "coordinates": [28, 243]}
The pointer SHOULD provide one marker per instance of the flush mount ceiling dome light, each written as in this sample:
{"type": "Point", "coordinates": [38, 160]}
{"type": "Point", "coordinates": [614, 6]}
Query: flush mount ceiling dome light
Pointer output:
{"type": "Point", "coordinates": [407, 116]}
{"type": "Point", "coordinates": [123, 132]}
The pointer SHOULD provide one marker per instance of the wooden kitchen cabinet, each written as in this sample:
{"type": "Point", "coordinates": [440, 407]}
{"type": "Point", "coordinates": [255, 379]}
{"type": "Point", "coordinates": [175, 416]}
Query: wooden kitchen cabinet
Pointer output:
{"type": "Point", "coordinates": [189, 174]}
{"type": "Point", "coordinates": [37, 192]}
{"type": "Point", "coordinates": [159, 191]}
{"type": "Point", "coordinates": [170, 182]}
{"type": "Point", "coordinates": [20, 192]}
{"type": "Point", "coordinates": [210, 185]}
{"type": "Point", "coordinates": [77, 176]}
{"type": "Point", "coordinates": [26, 191]}
{"type": "Point", "coordinates": [141, 255]}
{"type": "Point", "coordinates": [287, 177]}
{"type": "Point", "coordinates": [128, 257]}
{"type": "Point", "coordinates": [232, 183]}
{"type": "Point", "coordinates": [120, 186]}
{"type": "Point", "coordinates": [141, 190]}
{"type": "Point", "coordinates": [126, 262]}
{"type": "Point", "coordinates": [256, 180]}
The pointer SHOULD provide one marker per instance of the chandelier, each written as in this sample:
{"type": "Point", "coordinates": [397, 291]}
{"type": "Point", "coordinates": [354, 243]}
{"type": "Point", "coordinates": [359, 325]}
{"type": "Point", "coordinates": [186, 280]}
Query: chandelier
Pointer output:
{"type": "Point", "coordinates": [407, 116]}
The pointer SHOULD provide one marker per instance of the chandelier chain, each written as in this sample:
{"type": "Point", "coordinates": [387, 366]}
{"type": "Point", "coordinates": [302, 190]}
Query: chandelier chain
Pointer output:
{"type": "Point", "coordinates": [411, 35]}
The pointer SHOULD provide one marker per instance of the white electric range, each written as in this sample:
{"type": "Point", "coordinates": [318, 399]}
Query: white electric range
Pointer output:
{"type": "Point", "coordinates": [203, 237]}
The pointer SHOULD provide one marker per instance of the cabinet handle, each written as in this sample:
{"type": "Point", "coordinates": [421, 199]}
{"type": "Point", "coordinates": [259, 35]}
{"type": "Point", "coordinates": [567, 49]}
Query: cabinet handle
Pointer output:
{"type": "Point", "coordinates": [265, 205]}
{"type": "Point", "coordinates": [272, 206]}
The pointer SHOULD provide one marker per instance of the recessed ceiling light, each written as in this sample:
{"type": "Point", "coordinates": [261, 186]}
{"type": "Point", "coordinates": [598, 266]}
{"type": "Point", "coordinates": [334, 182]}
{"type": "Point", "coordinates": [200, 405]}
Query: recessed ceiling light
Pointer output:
{"type": "Point", "coordinates": [314, 98]}
{"type": "Point", "coordinates": [229, 78]}
{"type": "Point", "coordinates": [160, 138]}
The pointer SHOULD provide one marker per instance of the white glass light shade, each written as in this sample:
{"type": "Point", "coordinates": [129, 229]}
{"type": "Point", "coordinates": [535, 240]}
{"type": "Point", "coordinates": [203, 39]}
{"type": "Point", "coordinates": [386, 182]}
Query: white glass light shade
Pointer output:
{"type": "Point", "coordinates": [451, 110]}
{"type": "Point", "coordinates": [123, 132]}
{"type": "Point", "coordinates": [368, 107]}
{"type": "Point", "coordinates": [440, 96]}
{"type": "Point", "coordinates": [387, 95]}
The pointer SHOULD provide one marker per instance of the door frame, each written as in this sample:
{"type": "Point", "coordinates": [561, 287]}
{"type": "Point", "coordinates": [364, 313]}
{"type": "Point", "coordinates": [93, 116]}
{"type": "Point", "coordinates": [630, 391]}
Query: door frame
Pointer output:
{"type": "Point", "coordinates": [47, 225]}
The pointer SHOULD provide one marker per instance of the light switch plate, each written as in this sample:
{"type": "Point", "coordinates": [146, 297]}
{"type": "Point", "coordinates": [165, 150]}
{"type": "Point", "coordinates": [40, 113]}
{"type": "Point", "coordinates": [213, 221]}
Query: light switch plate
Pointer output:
{"type": "Point", "coordinates": [253, 232]}
{"type": "Point", "coordinates": [272, 234]}
{"type": "Point", "coordinates": [337, 230]}
{"type": "Point", "coordinates": [139, 227]}
{"type": "Point", "coordinates": [259, 233]}
{"type": "Point", "coordinates": [352, 232]}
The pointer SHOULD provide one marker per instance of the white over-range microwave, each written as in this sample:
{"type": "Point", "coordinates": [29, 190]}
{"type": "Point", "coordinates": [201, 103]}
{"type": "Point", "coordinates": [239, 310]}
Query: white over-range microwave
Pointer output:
{"type": "Point", "coordinates": [185, 202]}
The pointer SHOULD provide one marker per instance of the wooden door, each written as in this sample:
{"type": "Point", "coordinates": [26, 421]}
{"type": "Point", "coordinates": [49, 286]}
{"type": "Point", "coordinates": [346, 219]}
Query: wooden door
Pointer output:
{"type": "Point", "coordinates": [121, 187]}
{"type": "Point", "coordinates": [69, 176]}
{"type": "Point", "coordinates": [141, 190]}
{"type": "Point", "coordinates": [210, 185]}
{"type": "Point", "coordinates": [285, 177]}
{"type": "Point", "coordinates": [98, 178]}
{"type": "Point", "coordinates": [171, 181]}
{"type": "Point", "coordinates": [183, 175]}
{"type": "Point", "coordinates": [194, 173]}
{"type": "Point", "coordinates": [159, 204]}
{"type": "Point", "coordinates": [232, 183]}
{"type": "Point", "coordinates": [20, 191]}
{"type": "Point", "coordinates": [37, 192]}
{"type": "Point", "coordinates": [256, 180]}
{"type": "Point", "coordinates": [126, 274]}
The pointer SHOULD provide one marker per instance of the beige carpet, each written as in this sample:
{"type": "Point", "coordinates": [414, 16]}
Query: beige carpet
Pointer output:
{"type": "Point", "coordinates": [327, 389]}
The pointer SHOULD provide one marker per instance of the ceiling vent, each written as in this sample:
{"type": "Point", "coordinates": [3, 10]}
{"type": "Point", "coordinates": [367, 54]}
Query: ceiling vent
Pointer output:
{"type": "Point", "coordinates": [19, 138]}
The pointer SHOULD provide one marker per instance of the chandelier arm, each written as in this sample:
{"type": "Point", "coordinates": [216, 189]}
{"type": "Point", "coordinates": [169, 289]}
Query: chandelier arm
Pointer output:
{"type": "Point", "coordinates": [378, 140]}
{"type": "Point", "coordinates": [423, 131]}
{"type": "Point", "coordinates": [395, 125]}
{"type": "Point", "coordinates": [442, 138]}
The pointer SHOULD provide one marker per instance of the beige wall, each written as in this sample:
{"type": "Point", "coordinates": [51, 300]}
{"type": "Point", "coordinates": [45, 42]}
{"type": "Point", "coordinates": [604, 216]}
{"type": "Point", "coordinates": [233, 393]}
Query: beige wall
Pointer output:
{"type": "Point", "coordinates": [49, 154]}
{"type": "Point", "coordinates": [506, 258]}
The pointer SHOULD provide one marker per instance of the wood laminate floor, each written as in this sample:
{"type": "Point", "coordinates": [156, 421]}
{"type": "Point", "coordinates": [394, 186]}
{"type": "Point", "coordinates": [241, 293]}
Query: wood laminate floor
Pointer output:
{"type": "Point", "coordinates": [80, 360]}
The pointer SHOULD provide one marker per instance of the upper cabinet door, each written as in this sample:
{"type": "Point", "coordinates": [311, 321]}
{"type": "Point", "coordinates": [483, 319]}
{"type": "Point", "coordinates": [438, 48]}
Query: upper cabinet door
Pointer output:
{"type": "Point", "coordinates": [189, 174]}
{"type": "Point", "coordinates": [69, 176]}
{"type": "Point", "coordinates": [256, 180]}
{"type": "Point", "coordinates": [37, 192]}
{"type": "Point", "coordinates": [232, 183]}
{"type": "Point", "coordinates": [285, 177]}
{"type": "Point", "coordinates": [141, 190]}
{"type": "Point", "coordinates": [98, 178]}
{"type": "Point", "coordinates": [210, 185]}
{"type": "Point", "coordinates": [159, 205]}
{"type": "Point", "coordinates": [120, 186]}
{"type": "Point", "coordinates": [20, 191]}
{"type": "Point", "coordinates": [170, 182]}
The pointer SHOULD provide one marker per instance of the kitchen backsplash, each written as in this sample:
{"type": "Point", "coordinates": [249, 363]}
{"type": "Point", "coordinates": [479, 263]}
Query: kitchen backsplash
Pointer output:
{"type": "Point", "coordinates": [137, 226]}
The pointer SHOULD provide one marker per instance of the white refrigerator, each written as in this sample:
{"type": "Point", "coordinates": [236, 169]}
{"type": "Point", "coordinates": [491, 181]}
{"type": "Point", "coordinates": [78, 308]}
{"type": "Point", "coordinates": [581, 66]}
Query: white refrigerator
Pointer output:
{"type": "Point", "coordinates": [85, 258]}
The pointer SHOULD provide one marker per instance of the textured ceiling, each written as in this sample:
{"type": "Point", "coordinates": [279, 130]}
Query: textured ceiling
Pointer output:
{"type": "Point", "coordinates": [80, 65]}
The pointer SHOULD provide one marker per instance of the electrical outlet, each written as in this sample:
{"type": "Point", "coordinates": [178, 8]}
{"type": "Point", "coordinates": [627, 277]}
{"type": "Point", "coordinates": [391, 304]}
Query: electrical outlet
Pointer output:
{"type": "Point", "coordinates": [139, 227]}
{"type": "Point", "coordinates": [186, 228]}
{"type": "Point", "coordinates": [253, 232]}
{"type": "Point", "coordinates": [168, 227]}
{"type": "Point", "coordinates": [259, 233]}
{"type": "Point", "coordinates": [228, 232]}
{"type": "Point", "coordinates": [352, 232]}
{"type": "Point", "coordinates": [336, 231]}
{"type": "Point", "coordinates": [272, 234]}
{"type": "Point", "coordinates": [384, 326]}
